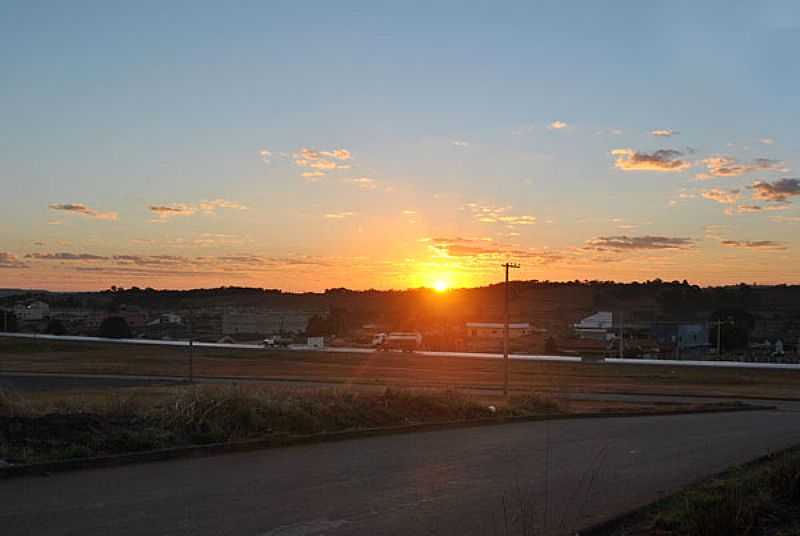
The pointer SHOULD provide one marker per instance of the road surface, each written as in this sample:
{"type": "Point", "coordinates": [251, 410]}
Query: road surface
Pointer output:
{"type": "Point", "coordinates": [445, 482]}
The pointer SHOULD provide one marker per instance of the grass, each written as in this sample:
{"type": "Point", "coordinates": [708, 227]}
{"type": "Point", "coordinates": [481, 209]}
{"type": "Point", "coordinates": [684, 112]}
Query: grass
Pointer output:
{"type": "Point", "coordinates": [51, 428]}
{"type": "Point", "coordinates": [404, 371]}
{"type": "Point", "coordinates": [756, 499]}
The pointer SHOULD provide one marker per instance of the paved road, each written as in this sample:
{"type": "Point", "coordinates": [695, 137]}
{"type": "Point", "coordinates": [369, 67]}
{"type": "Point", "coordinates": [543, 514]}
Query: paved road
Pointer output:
{"type": "Point", "coordinates": [447, 482]}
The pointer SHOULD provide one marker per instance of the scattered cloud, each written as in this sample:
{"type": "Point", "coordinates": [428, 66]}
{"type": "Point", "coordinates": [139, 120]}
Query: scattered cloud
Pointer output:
{"type": "Point", "coordinates": [767, 141]}
{"type": "Point", "coordinates": [322, 161]}
{"type": "Point", "coordinates": [339, 215]}
{"type": "Point", "coordinates": [558, 125]}
{"type": "Point", "coordinates": [664, 132]}
{"type": "Point", "coordinates": [312, 176]}
{"type": "Point", "coordinates": [786, 219]}
{"type": "Point", "coordinates": [754, 244]}
{"type": "Point", "coordinates": [754, 209]}
{"type": "Point", "coordinates": [727, 197]}
{"type": "Point", "coordinates": [83, 210]}
{"type": "Point", "coordinates": [495, 214]}
{"type": "Point", "coordinates": [9, 260]}
{"type": "Point", "coordinates": [622, 243]}
{"type": "Point", "coordinates": [726, 166]}
{"type": "Point", "coordinates": [266, 155]}
{"type": "Point", "coordinates": [487, 249]}
{"type": "Point", "coordinates": [778, 191]}
{"type": "Point", "coordinates": [63, 256]}
{"type": "Point", "coordinates": [165, 212]}
{"type": "Point", "coordinates": [461, 143]}
{"type": "Point", "coordinates": [365, 183]}
{"type": "Point", "coordinates": [664, 160]}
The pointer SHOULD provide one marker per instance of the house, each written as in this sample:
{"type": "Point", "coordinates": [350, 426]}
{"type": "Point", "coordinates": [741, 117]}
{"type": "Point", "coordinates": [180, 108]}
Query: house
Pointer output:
{"type": "Point", "coordinates": [596, 326]}
{"type": "Point", "coordinates": [495, 330]}
{"type": "Point", "coordinates": [37, 310]}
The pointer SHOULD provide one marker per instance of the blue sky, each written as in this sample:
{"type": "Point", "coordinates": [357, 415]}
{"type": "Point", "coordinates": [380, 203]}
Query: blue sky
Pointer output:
{"type": "Point", "coordinates": [446, 111]}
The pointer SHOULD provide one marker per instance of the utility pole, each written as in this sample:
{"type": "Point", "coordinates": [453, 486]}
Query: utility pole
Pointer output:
{"type": "Point", "coordinates": [621, 338]}
{"type": "Point", "coordinates": [719, 324]}
{"type": "Point", "coordinates": [507, 266]}
{"type": "Point", "coordinates": [191, 346]}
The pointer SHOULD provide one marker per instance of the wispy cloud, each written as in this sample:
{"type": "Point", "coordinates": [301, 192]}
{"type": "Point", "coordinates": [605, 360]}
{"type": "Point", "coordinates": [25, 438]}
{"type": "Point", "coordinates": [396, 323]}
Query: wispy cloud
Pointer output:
{"type": "Point", "coordinates": [365, 183]}
{"type": "Point", "coordinates": [172, 210]}
{"type": "Point", "coordinates": [494, 214]}
{"type": "Point", "coordinates": [663, 160]}
{"type": "Point", "coordinates": [9, 260]}
{"type": "Point", "coordinates": [339, 215]}
{"type": "Point", "coordinates": [65, 256]}
{"type": "Point", "coordinates": [726, 166]}
{"type": "Point", "coordinates": [487, 249]}
{"type": "Point", "coordinates": [558, 125]}
{"type": "Point", "coordinates": [165, 212]}
{"type": "Point", "coordinates": [778, 191]}
{"type": "Point", "coordinates": [322, 161]}
{"type": "Point", "coordinates": [83, 210]}
{"type": "Point", "coordinates": [623, 243]}
{"type": "Point", "coordinates": [754, 244]}
{"type": "Point", "coordinates": [767, 141]}
{"type": "Point", "coordinates": [461, 143]}
{"type": "Point", "coordinates": [727, 197]}
{"type": "Point", "coordinates": [266, 155]}
{"type": "Point", "coordinates": [664, 132]}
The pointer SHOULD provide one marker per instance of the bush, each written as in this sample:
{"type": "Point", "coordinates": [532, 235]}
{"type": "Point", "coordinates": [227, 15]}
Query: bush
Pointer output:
{"type": "Point", "coordinates": [115, 327]}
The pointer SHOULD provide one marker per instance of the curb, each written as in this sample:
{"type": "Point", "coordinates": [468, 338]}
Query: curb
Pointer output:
{"type": "Point", "coordinates": [604, 528]}
{"type": "Point", "coordinates": [285, 440]}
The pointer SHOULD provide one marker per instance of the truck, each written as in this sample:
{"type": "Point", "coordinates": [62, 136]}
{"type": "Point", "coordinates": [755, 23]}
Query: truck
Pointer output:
{"type": "Point", "coordinates": [398, 340]}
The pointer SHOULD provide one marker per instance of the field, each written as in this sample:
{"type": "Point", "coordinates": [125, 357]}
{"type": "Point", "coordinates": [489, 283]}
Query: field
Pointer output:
{"type": "Point", "coordinates": [396, 370]}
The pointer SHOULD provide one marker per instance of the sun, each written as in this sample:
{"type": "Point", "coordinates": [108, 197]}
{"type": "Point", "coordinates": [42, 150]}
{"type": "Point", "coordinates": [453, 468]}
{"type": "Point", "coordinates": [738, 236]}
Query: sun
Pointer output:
{"type": "Point", "coordinates": [440, 285]}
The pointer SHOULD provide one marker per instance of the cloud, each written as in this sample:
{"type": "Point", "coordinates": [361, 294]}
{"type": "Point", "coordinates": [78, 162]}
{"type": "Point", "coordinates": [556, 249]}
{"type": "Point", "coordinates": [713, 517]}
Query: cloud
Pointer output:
{"type": "Point", "coordinates": [266, 155]}
{"type": "Point", "coordinates": [339, 215]}
{"type": "Point", "coordinates": [786, 219]}
{"type": "Point", "coordinates": [312, 176]}
{"type": "Point", "coordinates": [322, 160]}
{"type": "Point", "coordinates": [664, 160]}
{"type": "Point", "coordinates": [461, 143]}
{"type": "Point", "coordinates": [63, 256]}
{"type": "Point", "coordinates": [726, 166]}
{"type": "Point", "coordinates": [83, 210]}
{"type": "Point", "coordinates": [727, 197]}
{"type": "Point", "coordinates": [777, 191]}
{"type": "Point", "coordinates": [165, 212]}
{"type": "Point", "coordinates": [664, 132]}
{"type": "Point", "coordinates": [365, 183]}
{"type": "Point", "coordinates": [9, 260]}
{"type": "Point", "coordinates": [558, 125]}
{"type": "Point", "coordinates": [767, 141]}
{"type": "Point", "coordinates": [753, 209]}
{"type": "Point", "coordinates": [487, 249]}
{"type": "Point", "coordinates": [754, 244]}
{"type": "Point", "coordinates": [495, 214]}
{"type": "Point", "coordinates": [623, 243]}
{"type": "Point", "coordinates": [210, 207]}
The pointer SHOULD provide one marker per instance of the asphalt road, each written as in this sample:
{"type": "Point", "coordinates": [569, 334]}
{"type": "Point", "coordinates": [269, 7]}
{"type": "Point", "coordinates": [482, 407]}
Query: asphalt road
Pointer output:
{"type": "Point", "coordinates": [447, 482]}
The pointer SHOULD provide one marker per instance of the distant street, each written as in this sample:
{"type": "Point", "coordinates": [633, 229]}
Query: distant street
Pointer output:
{"type": "Point", "coordinates": [449, 482]}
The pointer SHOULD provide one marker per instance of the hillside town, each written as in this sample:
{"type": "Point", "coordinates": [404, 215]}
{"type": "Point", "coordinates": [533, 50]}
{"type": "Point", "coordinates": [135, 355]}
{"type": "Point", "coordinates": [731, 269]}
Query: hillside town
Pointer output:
{"type": "Point", "coordinates": [590, 319]}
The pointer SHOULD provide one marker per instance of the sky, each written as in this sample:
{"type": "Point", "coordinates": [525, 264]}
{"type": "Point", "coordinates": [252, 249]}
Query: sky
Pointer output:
{"type": "Point", "coordinates": [315, 145]}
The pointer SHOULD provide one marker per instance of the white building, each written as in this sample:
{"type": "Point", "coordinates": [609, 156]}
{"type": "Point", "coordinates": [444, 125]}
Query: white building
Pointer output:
{"type": "Point", "coordinates": [595, 326]}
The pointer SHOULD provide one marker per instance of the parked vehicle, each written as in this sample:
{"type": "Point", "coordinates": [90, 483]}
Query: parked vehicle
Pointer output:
{"type": "Point", "coordinates": [277, 342]}
{"type": "Point", "coordinates": [399, 340]}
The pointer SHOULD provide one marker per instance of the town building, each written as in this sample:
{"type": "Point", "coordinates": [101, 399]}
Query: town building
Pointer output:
{"type": "Point", "coordinates": [32, 311]}
{"type": "Point", "coordinates": [495, 330]}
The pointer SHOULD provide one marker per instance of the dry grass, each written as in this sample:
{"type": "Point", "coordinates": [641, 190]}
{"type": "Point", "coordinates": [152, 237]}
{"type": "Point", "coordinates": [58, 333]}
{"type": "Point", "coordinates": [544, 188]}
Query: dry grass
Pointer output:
{"type": "Point", "coordinates": [404, 371]}
{"type": "Point", "coordinates": [36, 428]}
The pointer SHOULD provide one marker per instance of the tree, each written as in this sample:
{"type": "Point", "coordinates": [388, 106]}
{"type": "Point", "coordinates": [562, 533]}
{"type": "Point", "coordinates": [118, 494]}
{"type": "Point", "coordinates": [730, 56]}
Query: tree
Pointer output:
{"type": "Point", "coordinates": [115, 327]}
{"type": "Point", "coordinates": [55, 327]}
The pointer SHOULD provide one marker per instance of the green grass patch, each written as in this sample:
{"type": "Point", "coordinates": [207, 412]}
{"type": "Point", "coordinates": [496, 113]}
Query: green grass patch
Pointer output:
{"type": "Point", "coordinates": [757, 499]}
